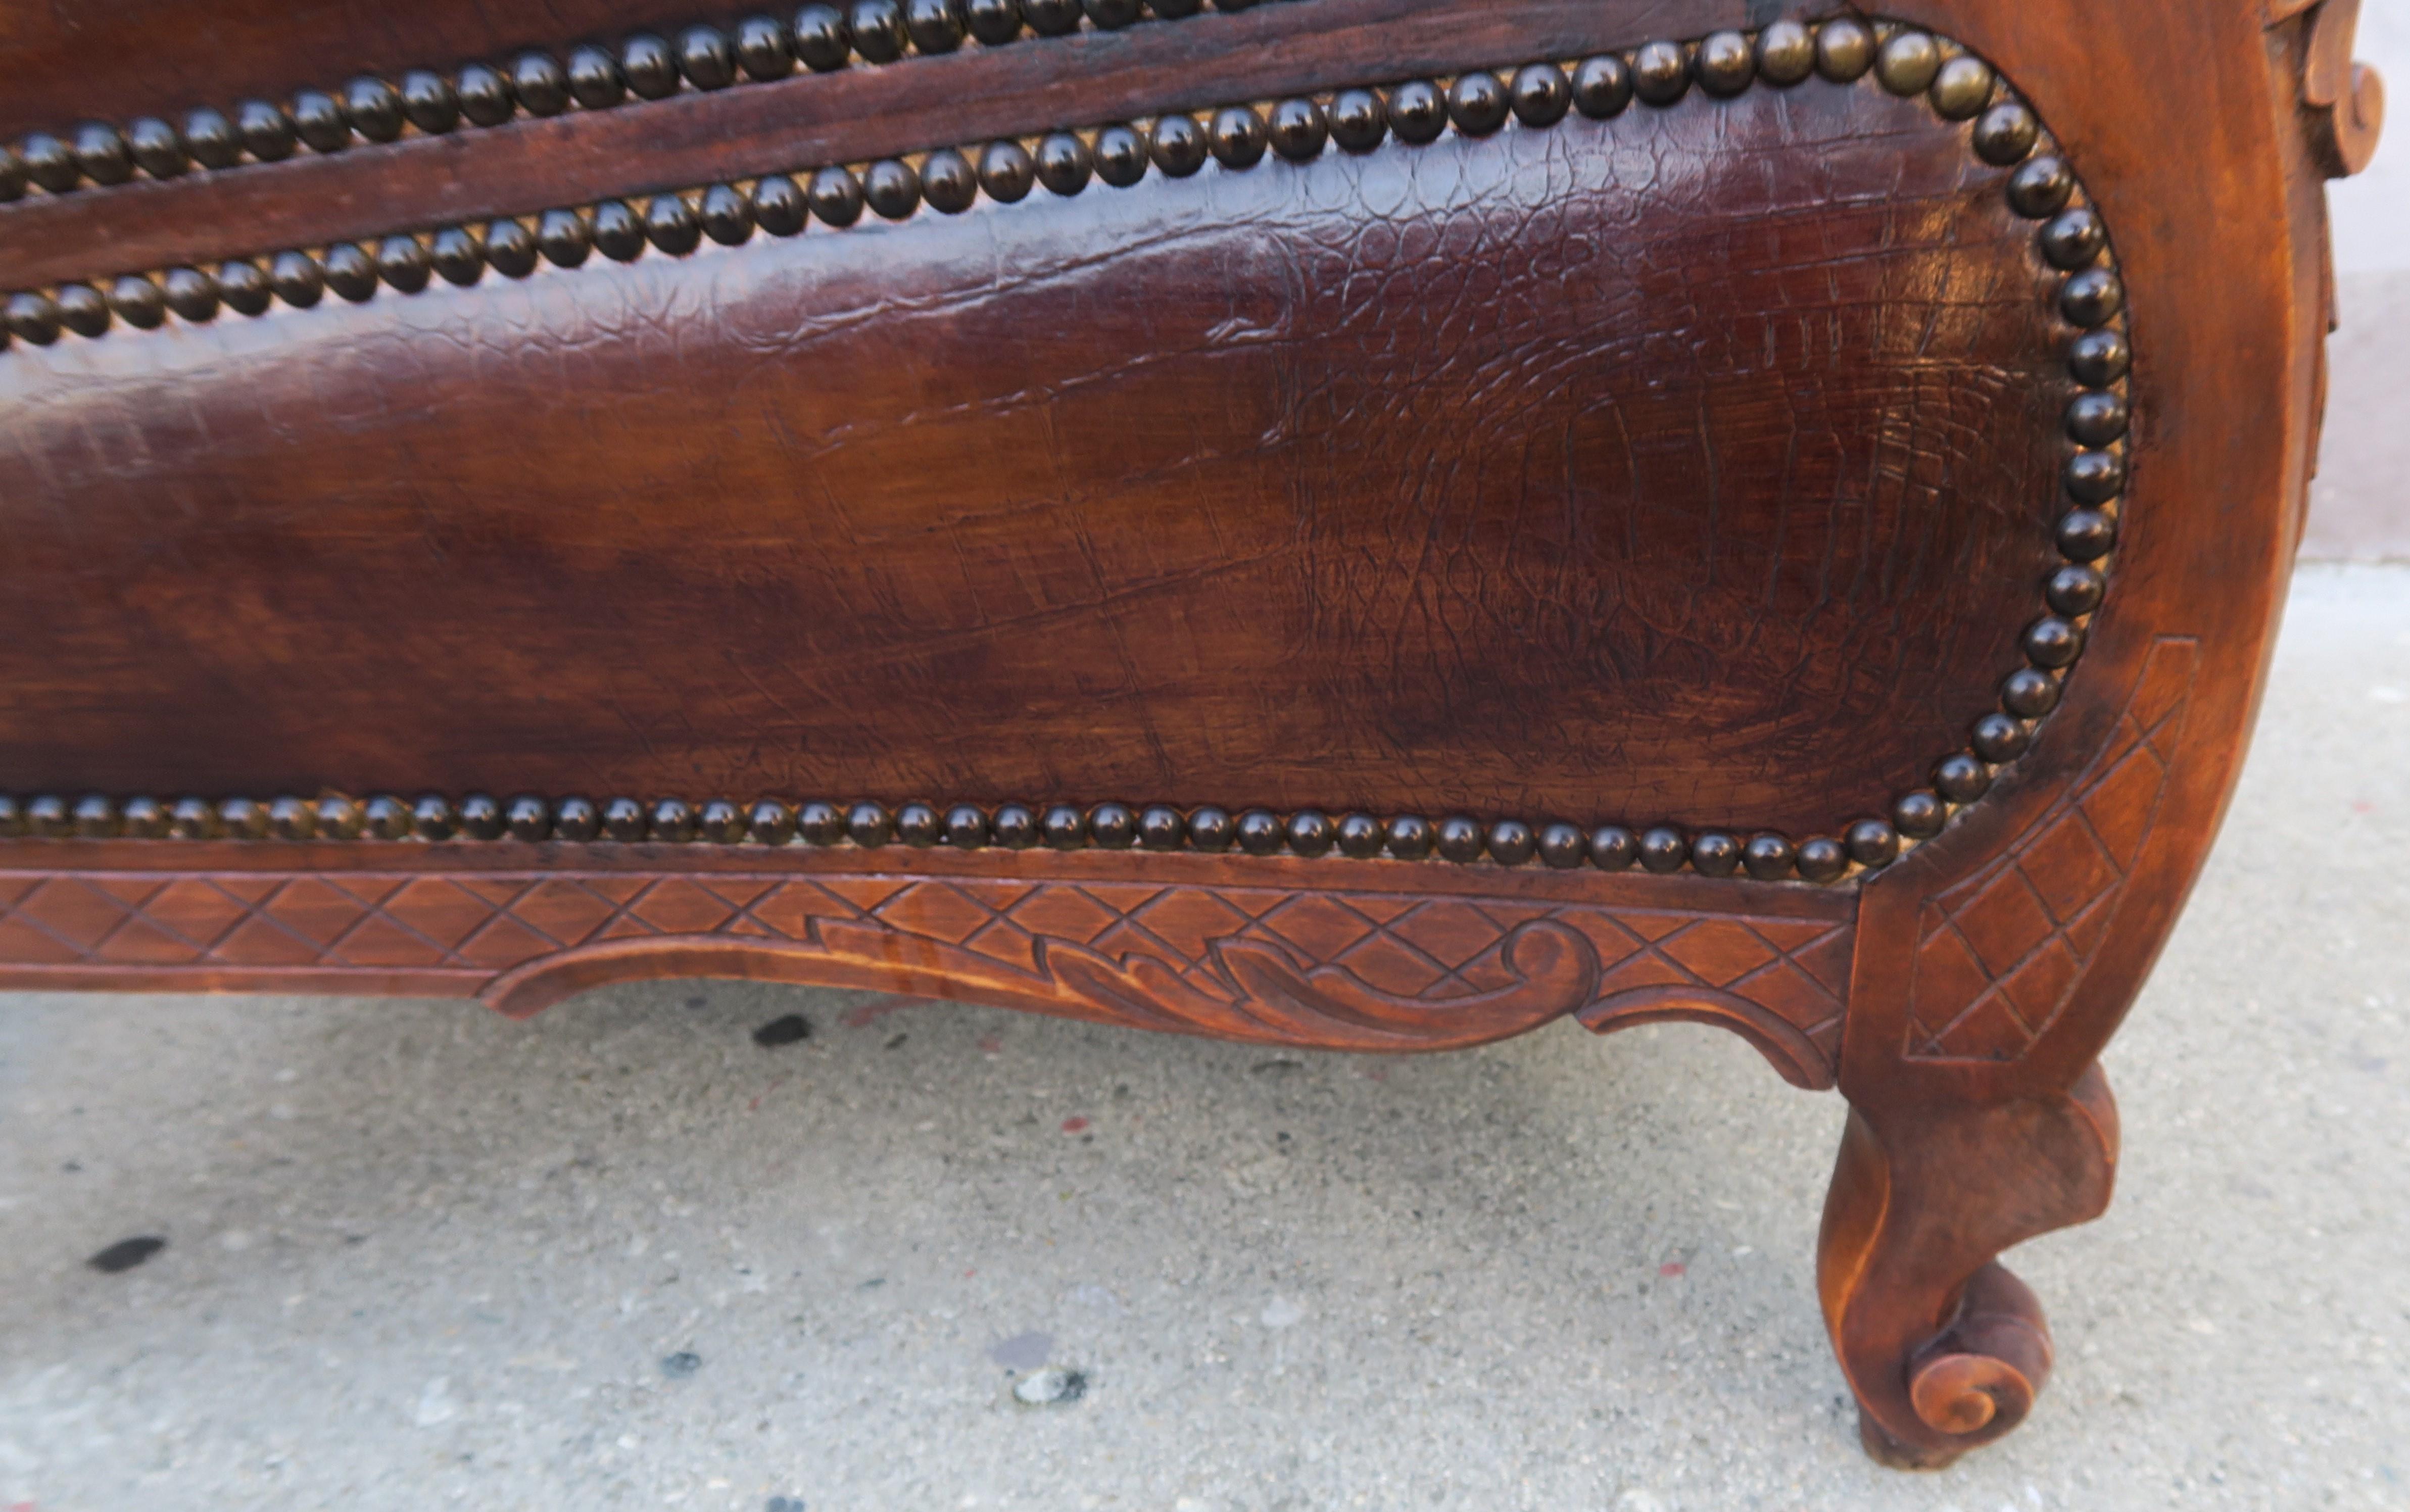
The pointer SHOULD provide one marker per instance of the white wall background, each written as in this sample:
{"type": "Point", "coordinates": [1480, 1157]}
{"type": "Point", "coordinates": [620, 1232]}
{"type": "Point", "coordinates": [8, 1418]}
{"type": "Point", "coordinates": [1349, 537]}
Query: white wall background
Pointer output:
{"type": "Point", "coordinates": [2372, 213]}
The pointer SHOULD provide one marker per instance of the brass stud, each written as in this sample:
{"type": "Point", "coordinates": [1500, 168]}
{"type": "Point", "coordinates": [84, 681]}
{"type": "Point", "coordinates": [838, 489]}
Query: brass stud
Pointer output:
{"type": "Point", "coordinates": [540, 83]}
{"type": "Point", "coordinates": [350, 272]}
{"type": "Point", "coordinates": [1477, 103]}
{"type": "Point", "coordinates": [576, 820]}
{"type": "Point", "coordinates": [1786, 54]}
{"type": "Point", "coordinates": [243, 286]}
{"type": "Point", "coordinates": [404, 263]}
{"type": "Point", "coordinates": [454, 254]}
{"type": "Point", "coordinates": [2100, 358]}
{"type": "Point", "coordinates": [1111, 15]}
{"type": "Point", "coordinates": [1459, 839]}
{"type": "Point", "coordinates": [762, 49]}
{"type": "Point", "coordinates": [1113, 826]}
{"type": "Point", "coordinates": [1006, 171]}
{"type": "Point", "coordinates": [138, 302]}
{"type": "Point", "coordinates": [892, 189]}
{"type": "Point", "coordinates": [1613, 848]}
{"type": "Point", "coordinates": [1121, 156]}
{"type": "Point", "coordinates": [1408, 837]}
{"type": "Point", "coordinates": [2095, 477]}
{"type": "Point", "coordinates": [705, 56]}
{"type": "Point", "coordinates": [210, 138]}
{"type": "Point", "coordinates": [771, 823]}
{"type": "Point", "coordinates": [948, 182]}
{"type": "Point", "coordinates": [594, 80]}
{"type": "Point", "coordinates": [1908, 62]}
{"type": "Point", "coordinates": [1660, 73]}
{"type": "Point", "coordinates": [1260, 832]}
{"type": "Point", "coordinates": [31, 317]}
{"type": "Point", "coordinates": [967, 827]}
{"type": "Point", "coordinates": [1822, 860]}
{"type": "Point", "coordinates": [1664, 849]}
{"type": "Point", "coordinates": [1562, 846]}
{"type": "Point", "coordinates": [102, 153]}
{"type": "Point", "coordinates": [47, 818]}
{"type": "Point", "coordinates": [1961, 778]}
{"type": "Point", "coordinates": [1015, 826]}
{"type": "Point", "coordinates": [1360, 836]}
{"type": "Point", "coordinates": [1312, 833]}
{"type": "Point", "coordinates": [836, 194]}
{"type": "Point", "coordinates": [868, 825]}
{"type": "Point", "coordinates": [1051, 18]}
{"type": "Point", "coordinates": [726, 216]}
{"type": "Point", "coordinates": [154, 144]}
{"type": "Point", "coordinates": [2006, 134]}
{"type": "Point", "coordinates": [1178, 145]}
{"type": "Point", "coordinates": [1540, 95]}
{"type": "Point", "coordinates": [1845, 50]}
{"type": "Point", "coordinates": [778, 206]}
{"type": "Point", "coordinates": [318, 121]}
{"type": "Point", "coordinates": [1715, 854]}
{"type": "Point", "coordinates": [480, 818]}
{"type": "Point", "coordinates": [1512, 843]}
{"type": "Point", "coordinates": [1873, 843]}
{"type": "Point", "coordinates": [264, 131]}
{"type": "Point", "coordinates": [388, 818]}
{"type": "Point", "coordinates": [1999, 739]}
{"type": "Point", "coordinates": [670, 225]}
{"type": "Point", "coordinates": [96, 818]}
{"type": "Point", "coordinates": [144, 819]}
{"type": "Point", "coordinates": [191, 293]}
{"type": "Point", "coordinates": [1417, 111]}
{"type": "Point", "coordinates": [242, 818]}
{"type": "Point", "coordinates": [1769, 858]}
{"type": "Point", "coordinates": [648, 66]}
{"type": "Point", "coordinates": [2098, 417]}
{"type": "Point", "coordinates": [623, 820]}
{"type": "Point", "coordinates": [1237, 137]}
{"type": "Point", "coordinates": [917, 824]}
{"type": "Point", "coordinates": [1602, 87]}
{"type": "Point", "coordinates": [1920, 814]}
{"type": "Point", "coordinates": [722, 822]}
{"type": "Point", "coordinates": [1064, 164]}
{"type": "Point", "coordinates": [616, 232]}
{"type": "Point", "coordinates": [82, 308]}
{"type": "Point", "coordinates": [528, 818]}
{"type": "Point", "coordinates": [563, 237]}
{"type": "Point", "coordinates": [426, 99]}
{"type": "Point", "coordinates": [2075, 240]}
{"type": "Point", "coordinates": [339, 818]}
{"type": "Point", "coordinates": [878, 27]}
{"type": "Point", "coordinates": [12, 174]}
{"type": "Point", "coordinates": [2042, 187]}
{"type": "Point", "coordinates": [2029, 693]}
{"type": "Point", "coordinates": [1210, 828]}
{"type": "Point", "coordinates": [196, 819]}
{"type": "Point", "coordinates": [50, 161]}
{"type": "Point", "coordinates": [1726, 64]}
{"type": "Point", "coordinates": [935, 26]}
{"type": "Point", "coordinates": [431, 817]}
{"type": "Point", "coordinates": [1298, 130]}
{"type": "Point", "coordinates": [1161, 828]}
{"type": "Point", "coordinates": [1963, 87]}
{"type": "Point", "coordinates": [1066, 827]}
{"type": "Point", "coordinates": [484, 95]}
{"type": "Point", "coordinates": [822, 40]}
{"type": "Point", "coordinates": [2053, 641]}
{"type": "Point", "coordinates": [2076, 591]}
{"type": "Point", "coordinates": [993, 22]}
{"type": "Point", "coordinates": [2092, 297]}
{"type": "Point", "coordinates": [820, 823]}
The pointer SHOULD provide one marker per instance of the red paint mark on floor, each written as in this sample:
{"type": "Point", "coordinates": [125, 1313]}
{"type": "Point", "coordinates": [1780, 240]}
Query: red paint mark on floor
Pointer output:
{"type": "Point", "coordinates": [862, 1015]}
{"type": "Point", "coordinates": [1378, 1073]}
{"type": "Point", "coordinates": [992, 1044]}
{"type": "Point", "coordinates": [1074, 1125]}
{"type": "Point", "coordinates": [2362, 806]}
{"type": "Point", "coordinates": [755, 1106]}
{"type": "Point", "coordinates": [1671, 1268]}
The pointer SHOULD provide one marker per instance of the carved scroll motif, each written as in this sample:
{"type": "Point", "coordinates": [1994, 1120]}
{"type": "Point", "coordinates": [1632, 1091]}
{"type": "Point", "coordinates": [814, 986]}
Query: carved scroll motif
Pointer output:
{"type": "Point", "coordinates": [1999, 955]}
{"type": "Point", "coordinates": [1350, 969]}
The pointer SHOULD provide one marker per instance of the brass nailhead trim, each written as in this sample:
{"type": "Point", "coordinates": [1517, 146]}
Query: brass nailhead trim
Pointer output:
{"type": "Point", "coordinates": [819, 37]}
{"type": "Point", "coordinates": [2004, 133]}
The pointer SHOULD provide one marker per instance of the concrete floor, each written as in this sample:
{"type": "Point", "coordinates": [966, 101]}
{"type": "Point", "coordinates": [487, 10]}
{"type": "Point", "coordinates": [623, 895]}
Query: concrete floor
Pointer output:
{"type": "Point", "coordinates": [623, 1256]}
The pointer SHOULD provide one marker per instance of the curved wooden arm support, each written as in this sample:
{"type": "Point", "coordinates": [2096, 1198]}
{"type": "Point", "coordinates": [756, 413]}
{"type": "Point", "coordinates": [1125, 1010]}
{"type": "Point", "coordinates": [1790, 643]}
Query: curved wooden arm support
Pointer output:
{"type": "Point", "coordinates": [1945, 1350]}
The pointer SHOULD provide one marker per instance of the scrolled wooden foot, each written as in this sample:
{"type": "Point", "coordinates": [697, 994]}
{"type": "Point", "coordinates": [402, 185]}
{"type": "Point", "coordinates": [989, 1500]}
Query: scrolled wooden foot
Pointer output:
{"type": "Point", "coordinates": [1945, 1350]}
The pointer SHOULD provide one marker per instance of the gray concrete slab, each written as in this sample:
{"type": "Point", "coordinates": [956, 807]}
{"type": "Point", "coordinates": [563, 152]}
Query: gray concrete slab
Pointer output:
{"type": "Point", "coordinates": [622, 1256]}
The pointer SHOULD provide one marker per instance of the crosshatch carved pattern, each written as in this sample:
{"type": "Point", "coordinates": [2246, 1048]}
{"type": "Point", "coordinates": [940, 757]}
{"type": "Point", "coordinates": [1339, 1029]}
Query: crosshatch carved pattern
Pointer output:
{"type": "Point", "coordinates": [1373, 970]}
{"type": "Point", "coordinates": [1999, 956]}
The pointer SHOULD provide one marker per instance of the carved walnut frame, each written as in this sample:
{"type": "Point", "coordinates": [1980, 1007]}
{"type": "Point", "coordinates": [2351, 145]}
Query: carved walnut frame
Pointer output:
{"type": "Point", "coordinates": [1959, 997]}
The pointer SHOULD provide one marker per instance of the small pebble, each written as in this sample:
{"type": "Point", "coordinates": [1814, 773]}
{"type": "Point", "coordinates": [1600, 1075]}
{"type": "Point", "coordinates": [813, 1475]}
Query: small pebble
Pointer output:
{"type": "Point", "coordinates": [1051, 1387]}
{"type": "Point", "coordinates": [792, 1029]}
{"type": "Point", "coordinates": [127, 1254]}
{"type": "Point", "coordinates": [783, 1503]}
{"type": "Point", "coordinates": [682, 1364]}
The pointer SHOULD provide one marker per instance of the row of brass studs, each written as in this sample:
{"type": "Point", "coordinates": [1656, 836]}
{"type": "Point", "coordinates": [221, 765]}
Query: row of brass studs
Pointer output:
{"type": "Point", "coordinates": [1111, 826]}
{"type": "Point", "coordinates": [2005, 134]}
{"type": "Point", "coordinates": [1064, 162]}
{"type": "Point", "coordinates": [819, 37]}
